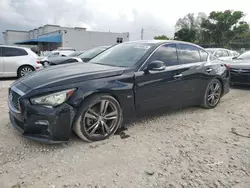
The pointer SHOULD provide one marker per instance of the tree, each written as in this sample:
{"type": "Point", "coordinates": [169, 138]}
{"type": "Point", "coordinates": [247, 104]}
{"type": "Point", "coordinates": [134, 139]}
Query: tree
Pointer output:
{"type": "Point", "coordinates": [223, 27]}
{"type": "Point", "coordinates": [188, 28]}
{"type": "Point", "coordinates": [161, 37]}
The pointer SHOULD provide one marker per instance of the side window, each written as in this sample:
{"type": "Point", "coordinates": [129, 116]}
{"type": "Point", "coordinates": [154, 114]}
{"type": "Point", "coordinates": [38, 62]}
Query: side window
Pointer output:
{"type": "Point", "coordinates": [225, 53]}
{"type": "Point", "coordinates": [219, 53]}
{"type": "Point", "coordinates": [213, 58]}
{"type": "Point", "coordinates": [188, 54]}
{"type": "Point", "coordinates": [167, 54]}
{"type": "Point", "coordinates": [9, 52]}
{"type": "Point", "coordinates": [1, 49]}
{"type": "Point", "coordinates": [203, 55]}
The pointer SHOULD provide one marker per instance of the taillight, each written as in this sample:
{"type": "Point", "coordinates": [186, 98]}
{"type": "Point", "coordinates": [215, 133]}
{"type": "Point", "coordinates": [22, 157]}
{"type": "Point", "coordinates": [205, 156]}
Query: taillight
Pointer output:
{"type": "Point", "coordinates": [38, 62]}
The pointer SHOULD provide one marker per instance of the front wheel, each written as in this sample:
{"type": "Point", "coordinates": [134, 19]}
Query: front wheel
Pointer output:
{"type": "Point", "coordinates": [212, 94]}
{"type": "Point", "coordinates": [98, 118]}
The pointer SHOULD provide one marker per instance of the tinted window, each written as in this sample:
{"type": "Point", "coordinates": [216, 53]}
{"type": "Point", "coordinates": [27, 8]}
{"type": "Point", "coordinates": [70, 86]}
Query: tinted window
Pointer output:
{"type": "Point", "coordinates": [188, 54]}
{"type": "Point", "coordinates": [166, 54]}
{"type": "Point", "coordinates": [203, 55]}
{"type": "Point", "coordinates": [219, 53]}
{"type": "Point", "coordinates": [212, 58]}
{"type": "Point", "coordinates": [9, 52]}
{"type": "Point", "coordinates": [225, 53]}
{"type": "Point", "coordinates": [1, 51]}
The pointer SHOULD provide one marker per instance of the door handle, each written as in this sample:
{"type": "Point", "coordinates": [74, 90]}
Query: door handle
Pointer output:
{"type": "Point", "coordinates": [177, 76]}
{"type": "Point", "coordinates": [209, 70]}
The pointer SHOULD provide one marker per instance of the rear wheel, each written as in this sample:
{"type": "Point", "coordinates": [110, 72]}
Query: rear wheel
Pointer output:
{"type": "Point", "coordinates": [24, 70]}
{"type": "Point", "coordinates": [98, 118]}
{"type": "Point", "coordinates": [212, 94]}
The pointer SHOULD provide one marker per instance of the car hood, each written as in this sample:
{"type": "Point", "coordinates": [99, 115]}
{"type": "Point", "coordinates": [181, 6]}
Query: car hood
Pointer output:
{"type": "Point", "coordinates": [68, 74]}
{"type": "Point", "coordinates": [240, 64]}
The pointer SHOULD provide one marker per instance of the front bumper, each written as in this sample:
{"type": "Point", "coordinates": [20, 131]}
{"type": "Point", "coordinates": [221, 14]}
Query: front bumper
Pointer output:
{"type": "Point", "coordinates": [240, 78]}
{"type": "Point", "coordinates": [49, 125]}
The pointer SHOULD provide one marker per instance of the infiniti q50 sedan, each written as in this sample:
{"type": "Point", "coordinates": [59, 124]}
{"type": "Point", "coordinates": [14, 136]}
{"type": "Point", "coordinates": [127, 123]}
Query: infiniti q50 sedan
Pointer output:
{"type": "Point", "coordinates": [94, 98]}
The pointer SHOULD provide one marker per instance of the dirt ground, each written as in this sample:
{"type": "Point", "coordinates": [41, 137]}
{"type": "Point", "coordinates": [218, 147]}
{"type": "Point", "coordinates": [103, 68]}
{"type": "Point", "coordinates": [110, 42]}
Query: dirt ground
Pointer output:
{"type": "Point", "coordinates": [192, 147]}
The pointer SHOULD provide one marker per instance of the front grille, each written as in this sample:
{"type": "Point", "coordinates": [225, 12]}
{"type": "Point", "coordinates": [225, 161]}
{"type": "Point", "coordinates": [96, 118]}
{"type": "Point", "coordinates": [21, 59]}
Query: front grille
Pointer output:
{"type": "Point", "coordinates": [240, 71]}
{"type": "Point", "coordinates": [14, 98]}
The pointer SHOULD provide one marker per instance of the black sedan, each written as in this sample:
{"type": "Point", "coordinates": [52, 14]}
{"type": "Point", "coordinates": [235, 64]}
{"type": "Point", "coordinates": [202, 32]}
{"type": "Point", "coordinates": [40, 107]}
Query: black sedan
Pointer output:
{"type": "Point", "coordinates": [94, 98]}
{"type": "Point", "coordinates": [240, 69]}
{"type": "Point", "coordinates": [81, 57]}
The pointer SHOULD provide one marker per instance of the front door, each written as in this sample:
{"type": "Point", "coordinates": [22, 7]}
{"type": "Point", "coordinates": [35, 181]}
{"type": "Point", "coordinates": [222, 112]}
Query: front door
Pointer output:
{"type": "Point", "coordinates": [155, 89]}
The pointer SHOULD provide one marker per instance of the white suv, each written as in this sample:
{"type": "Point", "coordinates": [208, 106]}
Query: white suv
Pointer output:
{"type": "Point", "coordinates": [17, 61]}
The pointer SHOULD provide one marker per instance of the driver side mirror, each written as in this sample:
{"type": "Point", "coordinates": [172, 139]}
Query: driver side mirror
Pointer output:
{"type": "Point", "coordinates": [156, 66]}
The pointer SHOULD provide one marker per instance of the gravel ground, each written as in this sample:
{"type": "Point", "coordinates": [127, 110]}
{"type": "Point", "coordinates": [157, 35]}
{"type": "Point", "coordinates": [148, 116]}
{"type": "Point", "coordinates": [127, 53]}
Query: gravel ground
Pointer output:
{"type": "Point", "coordinates": [192, 147]}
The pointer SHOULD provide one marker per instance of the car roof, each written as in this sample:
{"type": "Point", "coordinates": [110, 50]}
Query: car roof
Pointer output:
{"type": "Point", "coordinates": [15, 47]}
{"type": "Point", "coordinates": [217, 49]}
{"type": "Point", "coordinates": [159, 42]}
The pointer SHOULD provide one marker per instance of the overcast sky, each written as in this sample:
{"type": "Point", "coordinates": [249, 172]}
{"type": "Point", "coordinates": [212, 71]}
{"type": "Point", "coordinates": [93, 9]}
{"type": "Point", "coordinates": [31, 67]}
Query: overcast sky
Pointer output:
{"type": "Point", "coordinates": [156, 17]}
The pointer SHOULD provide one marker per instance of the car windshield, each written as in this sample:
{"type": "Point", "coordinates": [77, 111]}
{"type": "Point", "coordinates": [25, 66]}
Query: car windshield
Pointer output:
{"type": "Point", "coordinates": [74, 54]}
{"type": "Point", "coordinates": [211, 51]}
{"type": "Point", "coordinates": [122, 55]}
{"type": "Point", "coordinates": [245, 55]}
{"type": "Point", "coordinates": [93, 52]}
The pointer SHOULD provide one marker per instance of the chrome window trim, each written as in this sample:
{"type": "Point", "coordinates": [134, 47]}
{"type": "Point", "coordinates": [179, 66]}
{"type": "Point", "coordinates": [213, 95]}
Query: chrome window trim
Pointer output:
{"type": "Point", "coordinates": [151, 55]}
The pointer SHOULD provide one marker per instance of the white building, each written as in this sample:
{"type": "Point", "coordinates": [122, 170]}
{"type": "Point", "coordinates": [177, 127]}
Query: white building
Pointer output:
{"type": "Point", "coordinates": [50, 37]}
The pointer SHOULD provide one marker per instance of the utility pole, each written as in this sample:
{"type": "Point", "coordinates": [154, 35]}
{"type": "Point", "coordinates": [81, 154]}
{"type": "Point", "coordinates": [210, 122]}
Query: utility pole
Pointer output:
{"type": "Point", "coordinates": [142, 30]}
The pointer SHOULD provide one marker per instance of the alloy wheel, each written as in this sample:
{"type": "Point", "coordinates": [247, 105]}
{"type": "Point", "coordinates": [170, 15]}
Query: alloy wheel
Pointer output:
{"type": "Point", "coordinates": [214, 93]}
{"type": "Point", "coordinates": [101, 118]}
{"type": "Point", "coordinates": [25, 71]}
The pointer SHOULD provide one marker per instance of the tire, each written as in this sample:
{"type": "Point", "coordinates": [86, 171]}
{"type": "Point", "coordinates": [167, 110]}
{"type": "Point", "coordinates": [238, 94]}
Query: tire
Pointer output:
{"type": "Point", "coordinates": [93, 125]}
{"type": "Point", "coordinates": [24, 70]}
{"type": "Point", "coordinates": [46, 63]}
{"type": "Point", "coordinates": [212, 94]}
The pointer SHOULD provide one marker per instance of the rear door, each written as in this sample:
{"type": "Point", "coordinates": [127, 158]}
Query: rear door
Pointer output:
{"type": "Point", "coordinates": [1, 61]}
{"type": "Point", "coordinates": [11, 58]}
{"type": "Point", "coordinates": [191, 68]}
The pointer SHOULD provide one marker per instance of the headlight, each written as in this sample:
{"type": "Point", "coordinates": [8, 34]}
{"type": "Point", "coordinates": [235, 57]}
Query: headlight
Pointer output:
{"type": "Point", "coordinates": [53, 99]}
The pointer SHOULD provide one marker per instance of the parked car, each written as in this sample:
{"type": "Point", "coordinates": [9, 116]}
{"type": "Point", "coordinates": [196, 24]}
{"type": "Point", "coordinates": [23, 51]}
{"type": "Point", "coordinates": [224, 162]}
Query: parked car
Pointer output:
{"type": "Point", "coordinates": [221, 53]}
{"type": "Point", "coordinates": [88, 55]}
{"type": "Point", "coordinates": [83, 57]}
{"type": "Point", "coordinates": [72, 58]}
{"type": "Point", "coordinates": [94, 98]}
{"type": "Point", "coordinates": [240, 69]}
{"type": "Point", "coordinates": [55, 53]}
{"type": "Point", "coordinates": [235, 53]}
{"type": "Point", "coordinates": [17, 61]}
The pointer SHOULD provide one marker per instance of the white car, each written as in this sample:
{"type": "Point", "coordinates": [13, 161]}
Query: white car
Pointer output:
{"type": "Point", "coordinates": [56, 53]}
{"type": "Point", "coordinates": [222, 53]}
{"type": "Point", "coordinates": [17, 61]}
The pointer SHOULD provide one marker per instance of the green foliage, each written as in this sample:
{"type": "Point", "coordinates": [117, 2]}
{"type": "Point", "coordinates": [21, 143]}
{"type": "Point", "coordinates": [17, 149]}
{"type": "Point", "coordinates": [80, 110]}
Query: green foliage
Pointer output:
{"type": "Point", "coordinates": [223, 27]}
{"type": "Point", "coordinates": [188, 28]}
{"type": "Point", "coordinates": [185, 34]}
{"type": "Point", "coordinates": [161, 37]}
{"type": "Point", "coordinates": [220, 28]}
